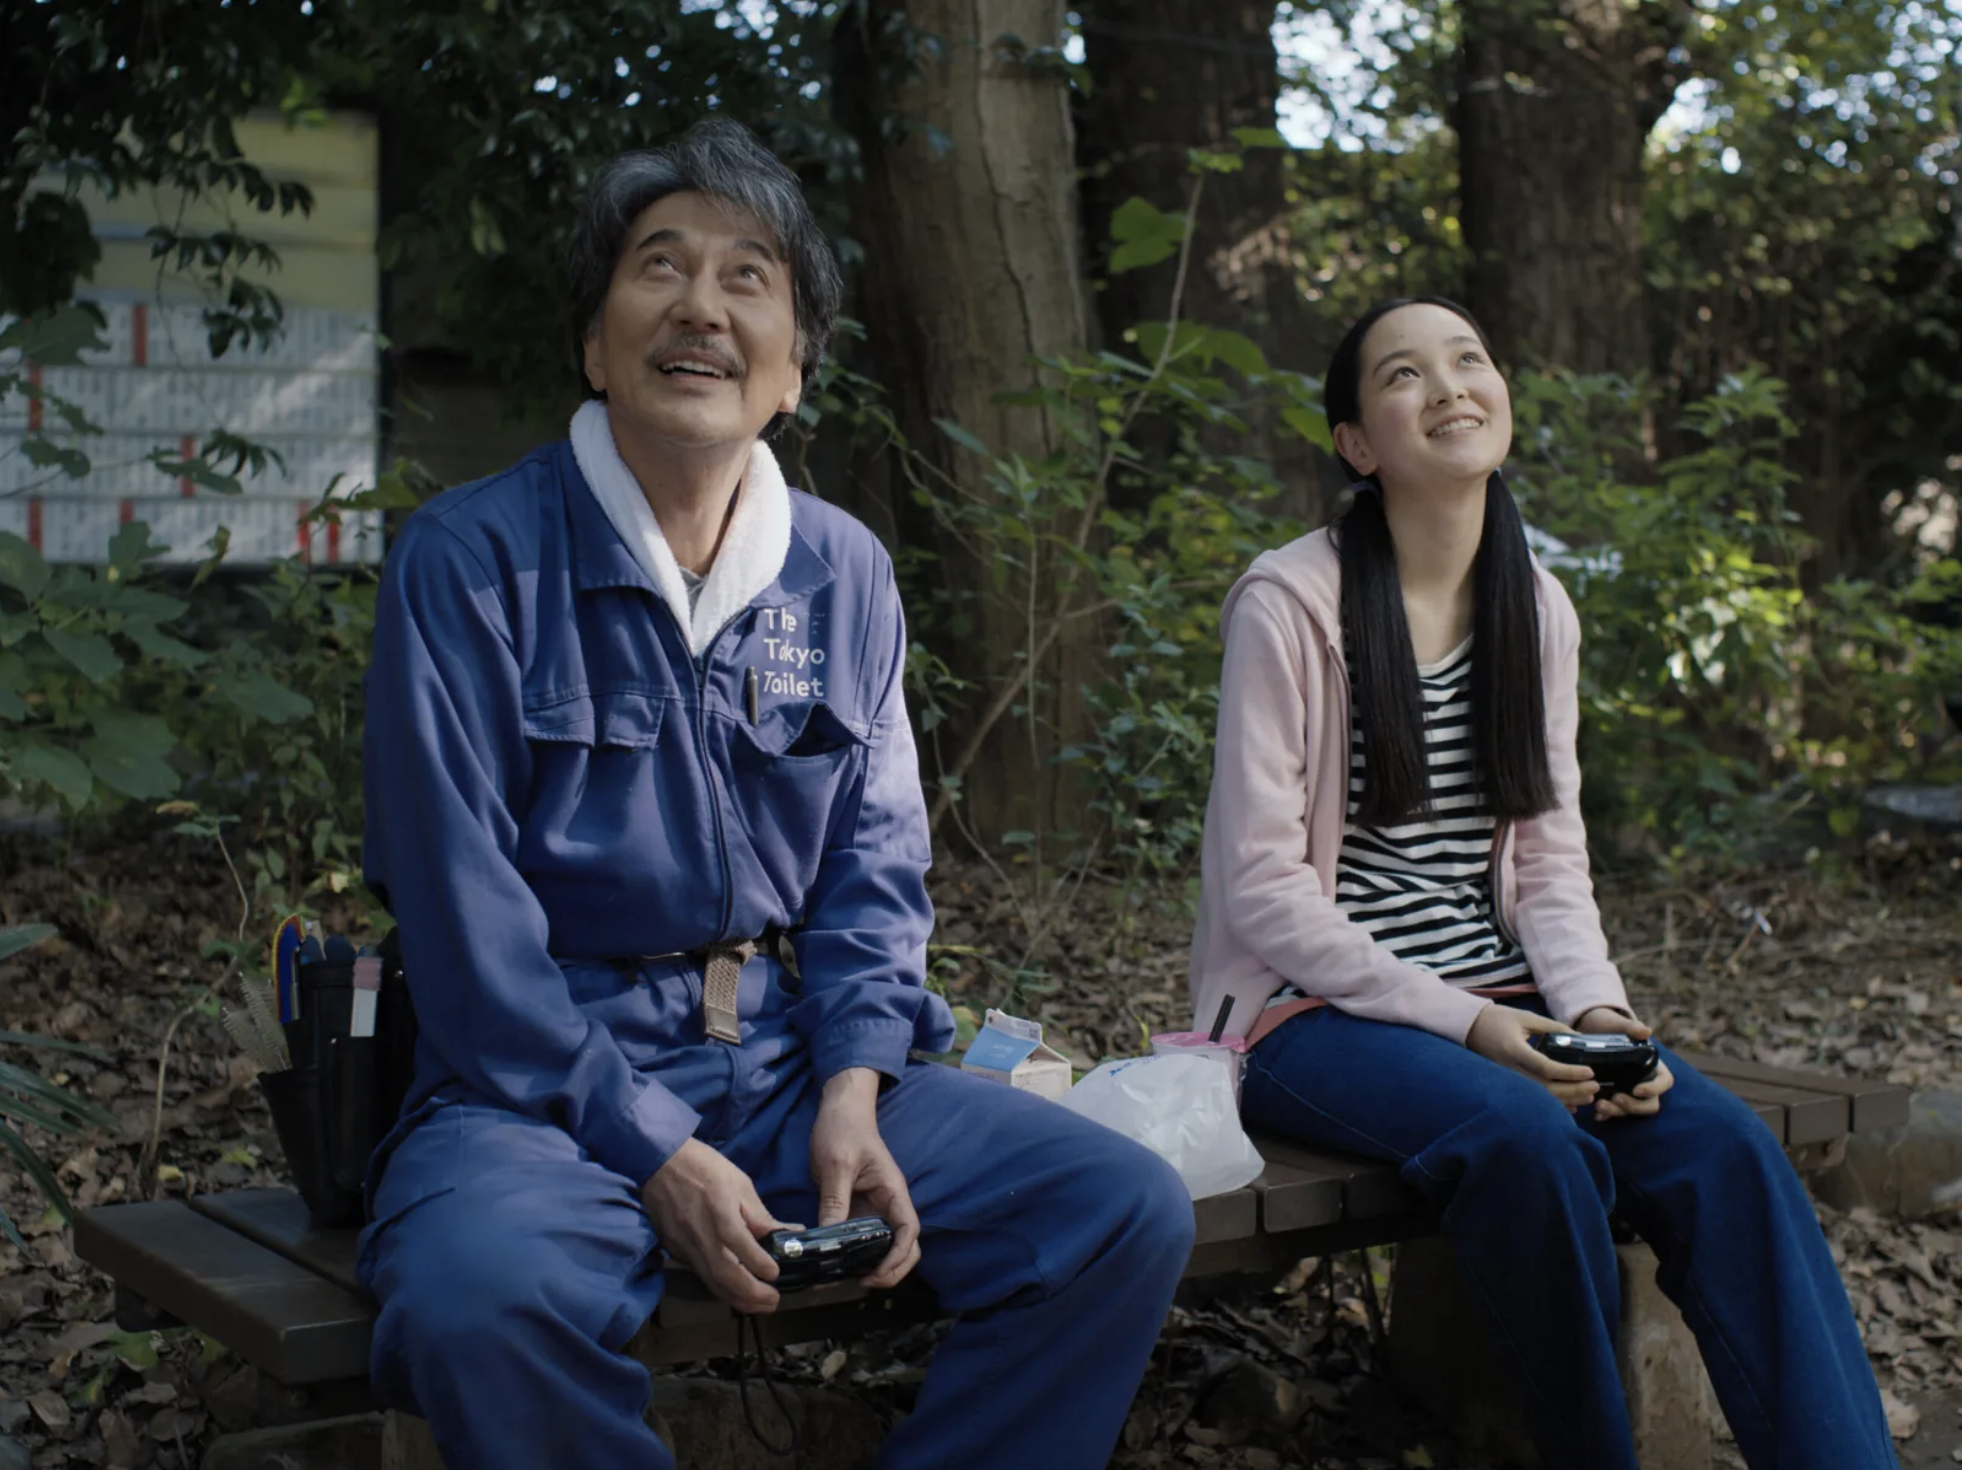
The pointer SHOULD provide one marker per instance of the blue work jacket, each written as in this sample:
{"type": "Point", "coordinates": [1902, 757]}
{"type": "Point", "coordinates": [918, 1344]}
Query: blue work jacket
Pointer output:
{"type": "Point", "coordinates": [551, 777]}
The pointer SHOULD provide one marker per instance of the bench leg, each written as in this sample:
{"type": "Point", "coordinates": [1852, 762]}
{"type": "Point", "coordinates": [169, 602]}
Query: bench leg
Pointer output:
{"type": "Point", "coordinates": [1661, 1371]}
{"type": "Point", "coordinates": [1442, 1356]}
{"type": "Point", "coordinates": [407, 1443]}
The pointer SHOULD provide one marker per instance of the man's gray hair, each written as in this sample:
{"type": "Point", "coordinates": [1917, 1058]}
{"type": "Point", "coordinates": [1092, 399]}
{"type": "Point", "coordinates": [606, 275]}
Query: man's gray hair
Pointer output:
{"type": "Point", "coordinates": [724, 160]}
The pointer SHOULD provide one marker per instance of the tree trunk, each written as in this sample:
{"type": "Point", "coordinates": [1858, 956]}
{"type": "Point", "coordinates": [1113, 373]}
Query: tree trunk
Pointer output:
{"type": "Point", "coordinates": [1554, 106]}
{"type": "Point", "coordinates": [972, 269]}
{"type": "Point", "coordinates": [1173, 75]}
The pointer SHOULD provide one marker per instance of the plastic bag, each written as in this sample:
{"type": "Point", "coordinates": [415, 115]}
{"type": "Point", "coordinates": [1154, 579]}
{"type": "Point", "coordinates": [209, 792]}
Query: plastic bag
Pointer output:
{"type": "Point", "coordinates": [1180, 1106]}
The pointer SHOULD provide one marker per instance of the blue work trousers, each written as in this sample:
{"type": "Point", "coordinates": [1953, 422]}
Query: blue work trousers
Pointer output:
{"type": "Point", "coordinates": [511, 1269]}
{"type": "Point", "coordinates": [1524, 1190]}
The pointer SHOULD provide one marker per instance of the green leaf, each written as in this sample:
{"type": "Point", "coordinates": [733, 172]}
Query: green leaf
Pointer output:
{"type": "Point", "coordinates": [93, 654]}
{"type": "Point", "coordinates": [32, 1166]}
{"type": "Point", "coordinates": [57, 337]}
{"type": "Point", "coordinates": [164, 648]}
{"type": "Point", "coordinates": [198, 470]}
{"type": "Point", "coordinates": [1259, 138]}
{"type": "Point", "coordinates": [137, 1350]}
{"type": "Point", "coordinates": [961, 437]}
{"type": "Point", "coordinates": [53, 1043]}
{"type": "Point", "coordinates": [17, 937]}
{"type": "Point", "coordinates": [21, 566]}
{"type": "Point", "coordinates": [44, 454]}
{"type": "Point", "coordinates": [131, 546]}
{"type": "Point", "coordinates": [45, 1107]}
{"type": "Point", "coordinates": [1309, 425]}
{"type": "Point", "coordinates": [486, 234]}
{"type": "Point", "coordinates": [255, 692]}
{"type": "Point", "coordinates": [130, 772]}
{"type": "Point", "coordinates": [62, 771]}
{"type": "Point", "coordinates": [127, 752]}
{"type": "Point", "coordinates": [1136, 254]}
{"type": "Point", "coordinates": [1143, 234]}
{"type": "Point", "coordinates": [1241, 353]}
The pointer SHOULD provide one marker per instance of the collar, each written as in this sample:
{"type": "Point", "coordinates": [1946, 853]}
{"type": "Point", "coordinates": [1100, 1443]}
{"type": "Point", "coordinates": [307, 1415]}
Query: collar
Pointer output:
{"type": "Point", "coordinates": [754, 549]}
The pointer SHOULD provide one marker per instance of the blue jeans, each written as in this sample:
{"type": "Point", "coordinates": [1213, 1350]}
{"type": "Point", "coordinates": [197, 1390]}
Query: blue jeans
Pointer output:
{"type": "Point", "coordinates": [511, 1269]}
{"type": "Point", "coordinates": [1524, 1190]}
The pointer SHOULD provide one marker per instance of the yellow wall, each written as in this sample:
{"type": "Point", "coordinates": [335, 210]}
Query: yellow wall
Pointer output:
{"type": "Point", "coordinates": [327, 259]}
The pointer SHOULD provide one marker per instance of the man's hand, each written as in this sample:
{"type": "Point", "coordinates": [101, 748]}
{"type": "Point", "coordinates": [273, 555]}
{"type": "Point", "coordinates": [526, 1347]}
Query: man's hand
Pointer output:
{"type": "Point", "coordinates": [706, 1212]}
{"type": "Point", "coordinates": [1501, 1034]}
{"type": "Point", "coordinates": [856, 1175]}
{"type": "Point", "coordinates": [1646, 1099]}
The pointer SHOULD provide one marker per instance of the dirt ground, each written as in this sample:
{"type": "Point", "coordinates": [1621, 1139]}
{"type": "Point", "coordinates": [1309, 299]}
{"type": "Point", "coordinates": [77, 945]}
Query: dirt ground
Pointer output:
{"type": "Point", "coordinates": [1859, 973]}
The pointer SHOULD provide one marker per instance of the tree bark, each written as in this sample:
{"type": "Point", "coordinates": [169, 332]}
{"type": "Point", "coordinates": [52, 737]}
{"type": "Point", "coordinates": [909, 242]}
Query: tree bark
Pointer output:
{"type": "Point", "coordinates": [1555, 101]}
{"type": "Point", "coordinates": [1168, 76]}
{"type": "Point", "coordinates": [972, 269]}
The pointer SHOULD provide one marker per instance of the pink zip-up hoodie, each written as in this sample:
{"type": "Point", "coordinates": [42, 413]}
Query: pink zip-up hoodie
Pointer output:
{"type": "Point", "coordinates": [1274, 824]}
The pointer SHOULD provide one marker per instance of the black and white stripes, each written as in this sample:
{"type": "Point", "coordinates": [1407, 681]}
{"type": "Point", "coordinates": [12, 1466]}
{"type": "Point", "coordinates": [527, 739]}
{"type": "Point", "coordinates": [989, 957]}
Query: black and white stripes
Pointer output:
{"type": "Point", "coordinates": [1421, 888]}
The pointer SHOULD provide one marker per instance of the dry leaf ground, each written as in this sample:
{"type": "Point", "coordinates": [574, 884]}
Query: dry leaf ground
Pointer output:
{"type": "Point", "coordinates": [1862, 973]}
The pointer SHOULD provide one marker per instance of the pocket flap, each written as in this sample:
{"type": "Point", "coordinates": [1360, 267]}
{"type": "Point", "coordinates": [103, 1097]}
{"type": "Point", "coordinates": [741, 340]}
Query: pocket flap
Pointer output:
{"type": "Point", "coordinates": [623, 719]}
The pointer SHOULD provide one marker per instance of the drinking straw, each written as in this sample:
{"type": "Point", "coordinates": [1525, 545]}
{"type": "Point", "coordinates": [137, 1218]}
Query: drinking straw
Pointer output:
{"type": "Point", "coordinates": [1219, 1021]}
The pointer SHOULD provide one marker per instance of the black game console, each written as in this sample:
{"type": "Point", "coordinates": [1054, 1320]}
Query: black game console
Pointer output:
{"type": "Point", "coordinates": [838, 1252]}
{"type": "Point", "coordinates": [1618, 1062]}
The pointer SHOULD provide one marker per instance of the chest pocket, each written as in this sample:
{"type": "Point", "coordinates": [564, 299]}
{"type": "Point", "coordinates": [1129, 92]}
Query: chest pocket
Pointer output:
{"type": "Point", "coordinates": [797, 733]}
{"type": "Point", "coordinates": [619, 719]}
{"type": "Point", "coordinates": [791, 772]}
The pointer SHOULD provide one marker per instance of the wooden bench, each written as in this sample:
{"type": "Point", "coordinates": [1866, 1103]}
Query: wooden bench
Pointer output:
{"type": "Point", "coordinates": [247, 1268]}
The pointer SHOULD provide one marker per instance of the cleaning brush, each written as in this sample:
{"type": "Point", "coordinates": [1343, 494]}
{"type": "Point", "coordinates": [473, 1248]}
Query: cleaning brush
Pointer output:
{"type": "Point", "coordinates": [256, 1029]}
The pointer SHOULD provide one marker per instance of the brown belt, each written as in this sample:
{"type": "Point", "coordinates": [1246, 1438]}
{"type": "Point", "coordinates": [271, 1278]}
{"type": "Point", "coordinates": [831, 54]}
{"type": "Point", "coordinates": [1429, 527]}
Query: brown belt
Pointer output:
{"type": "Point", "coordinates": [722, 968]}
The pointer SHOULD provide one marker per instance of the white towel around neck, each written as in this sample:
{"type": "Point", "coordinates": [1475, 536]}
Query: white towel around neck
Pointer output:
{"type": "Point", "coordinates": [753, 548]}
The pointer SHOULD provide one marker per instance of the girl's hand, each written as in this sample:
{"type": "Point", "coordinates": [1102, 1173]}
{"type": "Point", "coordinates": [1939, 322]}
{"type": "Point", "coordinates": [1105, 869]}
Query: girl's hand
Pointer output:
{"type": "Point", "coordinates": [1646, 1099]}
{"type": "Point", "coordinates": [1501, 1034]}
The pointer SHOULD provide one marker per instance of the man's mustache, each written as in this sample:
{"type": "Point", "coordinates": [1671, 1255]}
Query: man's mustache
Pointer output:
{"type": "Point", "coordinates": [708, 349]}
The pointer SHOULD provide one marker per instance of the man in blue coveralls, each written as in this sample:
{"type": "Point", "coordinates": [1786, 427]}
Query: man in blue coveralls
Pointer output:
{"type": "Point", "coordinates": [635, 720]}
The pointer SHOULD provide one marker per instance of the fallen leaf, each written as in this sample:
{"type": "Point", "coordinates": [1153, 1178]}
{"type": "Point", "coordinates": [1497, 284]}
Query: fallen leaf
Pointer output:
{"type": "Point", "coordinates": [1903, 1419]}
{"type": "Point", "coordinates": [50, 1408]}
{"type": "Point", "coordinates": [122, 1447]}
{"type": "Point", "coordinates": [83, 1335]}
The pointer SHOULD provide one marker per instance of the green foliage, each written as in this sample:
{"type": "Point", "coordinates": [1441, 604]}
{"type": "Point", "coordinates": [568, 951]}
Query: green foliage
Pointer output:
{"type": "Point", "coordinates": [1715, 695]}
{"type": "Point", "coordinates": [126, 97]}
{"type": "Point", "coordinates": [27, 1099]}
{"type": "Point", "coordinates": [73, 642]}
{"type": "Point", "coordinates": [1807, 222]}
{"type": "Point", "coordinates": [1140, 520]}
{"type": "Point", "coordinates": [274, 735]}
{"type": "Point", "coordinates": [246, 693]}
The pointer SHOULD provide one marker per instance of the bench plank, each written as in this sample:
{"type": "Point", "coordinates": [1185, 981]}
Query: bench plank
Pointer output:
{"type": "Point", "coordinates": [1371, 1188]}
{"type": "Point", "coordinates": [279, 1316]}
{"type": "Point", "coordinates": [277, 1219]}
{"type": "Point", "coordinates": [1228, 1216]}
{"type": "Point", "coordinates": [1876, 1103]}
{"type": "Point", "coordinates": [1810, 1117]}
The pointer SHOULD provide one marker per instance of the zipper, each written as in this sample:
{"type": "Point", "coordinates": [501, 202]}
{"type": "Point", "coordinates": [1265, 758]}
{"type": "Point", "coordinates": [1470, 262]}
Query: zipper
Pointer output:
{"type": "Point", "coordinates": [708, 769]}
{"type": "Point", "coordinates": [1495, 880]}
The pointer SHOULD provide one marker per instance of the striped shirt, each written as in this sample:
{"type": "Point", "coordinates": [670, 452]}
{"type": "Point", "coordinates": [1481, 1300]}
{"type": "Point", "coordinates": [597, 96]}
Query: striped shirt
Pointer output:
{"type": "Point", "coordinates": [1423, 888]}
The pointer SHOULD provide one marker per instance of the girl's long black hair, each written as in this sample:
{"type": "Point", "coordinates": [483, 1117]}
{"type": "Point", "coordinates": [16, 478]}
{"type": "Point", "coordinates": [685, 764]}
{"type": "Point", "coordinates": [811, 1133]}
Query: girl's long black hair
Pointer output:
{"type": "Point", "coordinates": [1508, 701]}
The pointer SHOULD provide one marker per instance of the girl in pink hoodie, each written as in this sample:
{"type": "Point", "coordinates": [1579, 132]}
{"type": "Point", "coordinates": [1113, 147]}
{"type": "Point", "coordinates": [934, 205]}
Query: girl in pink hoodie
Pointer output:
{"type": "Point", "coordinates": [1395, 899]}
